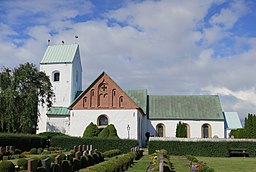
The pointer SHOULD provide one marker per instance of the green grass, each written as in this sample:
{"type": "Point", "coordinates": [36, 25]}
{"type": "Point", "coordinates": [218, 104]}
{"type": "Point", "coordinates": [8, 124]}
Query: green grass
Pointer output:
{"type": "Point", "coordinates": [180, 163]}
{"type": "Point", "coordinates": [140, 165]}
{"type": "Point", "coordinates": [220, 164]}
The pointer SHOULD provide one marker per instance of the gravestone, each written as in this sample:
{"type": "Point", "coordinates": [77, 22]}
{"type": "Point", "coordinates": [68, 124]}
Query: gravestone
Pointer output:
{"type": "Point", "coordinates": [83, 147]}
{"type": "Point", "coordinates": [84, 153]}
{"type": "Point", "coordinates": [75, 148]}
{"type": "Point", "coordinates": [12, 148]}
{"type": "Point", "coordinates": [57, 160]}
{"type": "Point", "coordinates": [2, 150]}
{"type": "Point", "coordinates": [87, 147]}
{"type": "Point", "coordinates": [77, 155]}
{"type": "Point", "coordinates": [46, 163]}
{"type": "Point", "coordinates": [7, 148]}
{"type": "Point", "coordinates": [79, 148]}
{"type": "Point", "coordinates": [32, 165]}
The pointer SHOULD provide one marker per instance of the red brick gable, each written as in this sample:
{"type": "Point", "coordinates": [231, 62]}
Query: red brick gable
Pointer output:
{"type": "Point", "coordinates": [103, 93]}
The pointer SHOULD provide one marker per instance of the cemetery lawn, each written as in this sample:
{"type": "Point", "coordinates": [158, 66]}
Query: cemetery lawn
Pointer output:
{"type": "Point", "coordinates": [234, 164]}
{"type": "Point", "coordinates": [219, 164]}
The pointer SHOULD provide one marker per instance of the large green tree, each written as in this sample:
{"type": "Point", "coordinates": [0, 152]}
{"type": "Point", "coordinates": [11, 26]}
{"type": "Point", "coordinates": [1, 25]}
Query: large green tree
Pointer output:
{"type": "Point", "coordinates": [22, 90]}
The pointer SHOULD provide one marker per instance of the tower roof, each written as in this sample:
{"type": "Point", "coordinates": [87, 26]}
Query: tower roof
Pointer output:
{"type": "Point", "coordinates": [59, 54]}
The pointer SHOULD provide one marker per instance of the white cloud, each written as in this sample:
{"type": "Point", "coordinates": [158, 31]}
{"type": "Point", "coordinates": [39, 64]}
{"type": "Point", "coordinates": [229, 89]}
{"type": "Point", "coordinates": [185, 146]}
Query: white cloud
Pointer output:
{"type": "Point", "coordinates": [148, 44]}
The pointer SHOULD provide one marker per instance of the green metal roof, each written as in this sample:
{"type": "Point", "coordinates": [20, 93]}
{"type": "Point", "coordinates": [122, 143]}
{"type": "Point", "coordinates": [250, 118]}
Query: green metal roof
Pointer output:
{"type": "Point", "coordinates": [139, 97]}
{"type": "Point", "coordinates": [232, 120]}
{"type": "Point", "coordinates": [60, 54]}
{"type": "Point", "coordinates": [185, 107]}
{"type": "Point", "coordinates": [58, 111]}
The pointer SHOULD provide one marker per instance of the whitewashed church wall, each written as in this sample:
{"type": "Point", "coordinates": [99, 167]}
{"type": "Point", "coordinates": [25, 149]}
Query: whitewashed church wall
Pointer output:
{"type": "Point", "coordinates": [76, 76]}
{"type": "Point", "coordinates": [217, 127]}
{"type": "Point", "coordinates": [80, 119]}
{"type": "Point", "coordinates": [62, 88]}
{"type": "Point", "coordinates": [58, 124]}
{"type": "Point", "coordinates": [42, 120]}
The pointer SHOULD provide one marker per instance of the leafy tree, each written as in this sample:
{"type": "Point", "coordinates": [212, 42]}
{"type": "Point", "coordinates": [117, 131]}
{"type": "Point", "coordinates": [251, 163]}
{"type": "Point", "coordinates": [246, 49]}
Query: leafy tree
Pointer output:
{"type": "Point", "coordinates": [109, 131]}
{"type": "Point", "coordinates": [91, 130]}
{"type": "Point", "coordinates": [181, 130]}
{"type": "Point", "coordinates": [22, 90]}
{"type": "Point", "coordinates": [104, 133]}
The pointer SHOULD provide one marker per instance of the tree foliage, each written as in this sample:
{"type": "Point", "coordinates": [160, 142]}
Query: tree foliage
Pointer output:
{"type": "Point", "coordinates": [91, 130]}
{"type": "Point", "coordinates": [21, 91]}
{"type": "Point", "coordinates": [249, 130]}
{"type": "Point", "coordinates": [181, 130]}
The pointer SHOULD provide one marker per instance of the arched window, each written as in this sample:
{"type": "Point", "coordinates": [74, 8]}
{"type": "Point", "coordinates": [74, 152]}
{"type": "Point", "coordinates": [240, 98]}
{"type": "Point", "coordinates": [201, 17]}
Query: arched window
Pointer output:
{"type": "Point", "coordinates": [187, 127]}
{"type": "Point", "coordinates": [160, 130]}
{"type": "Point", "coordinates": [102, 120]}
{"type": "Point", "coordinates": [56, 76]}
{"type": "Point", "coordinates": [121, 101]}
{"type": "Point", "coordinates": [206, 131]}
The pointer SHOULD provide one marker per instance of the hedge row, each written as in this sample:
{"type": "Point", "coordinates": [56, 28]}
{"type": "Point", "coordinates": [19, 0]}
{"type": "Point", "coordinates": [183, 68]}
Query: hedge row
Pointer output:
{"type": "Point", "coordinates": [120, 163]}
{"type": "Point", "coordinates": [22, 141]}
{"type": "Point", "coordinates": [100, 144]}
{"type": "Point", "coordinates": [202, 148]}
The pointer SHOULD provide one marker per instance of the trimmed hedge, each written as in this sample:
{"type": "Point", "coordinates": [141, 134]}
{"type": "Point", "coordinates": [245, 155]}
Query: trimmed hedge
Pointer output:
{"type": "Point", "coordinates": [101, 145]}
{"type": "Point", "coordinates": [120, 163]}
{"type": "Point", "coordinates": [7, 166]}
{"type": "Point", "coordinates": [202, 148]}
{"type": "Point", "coordinates": [22, 141]}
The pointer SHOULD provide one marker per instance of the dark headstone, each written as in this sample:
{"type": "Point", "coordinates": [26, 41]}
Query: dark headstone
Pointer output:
{"type": "Point", "coordinates": [32, 165]}
{"type": "Point", "coordinates": [57, 159]}
{"type": "Point", "coordinates": [46, 163]}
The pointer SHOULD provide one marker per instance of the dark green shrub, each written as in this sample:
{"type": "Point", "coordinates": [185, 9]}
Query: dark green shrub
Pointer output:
{"type": "Point", "coordinates": [33, 151]}
{"type": "Point", "coordinates": [90, 160]}
{"type": "Point", "coordinates": [17, 151]}
{"type": "Point", "coordinates": [23, 164]}
{"type": "Point", "coordinates": [84, 161]}
{"type": "Point", "coordinates": [112, 131]}
{"type": "Point", "coordinates": [66, 166]}
{"type": "Point", "coordinates": [101, 145]}
{"type": "Point", "coordinates": [39, 150]}
{"type": "Point", "coordinates": [51, 148]}
{"type": "Point", "coordinates": [7, 166]}
{"type": "Point", "coordinates": [1, 156]}
{"type": "Point", "coordinates": [91, 130]}
{"type": "Point", "coordinates": [41, 169]}
{"type": "Point", "coordinates": [76, 165]}
{"type": "Point", "coordinates": [55, 168]}
{"type": "Point", "coordinates": [22, 156]}
{"type": "Point", "coordinates": [181, 130]}
{"type": "Point", "coordinates": [52, 134]}
{"type": "Point", "coordinates": [111, 153]}
{"type": "Point", "coordinates": [104, 133]}
{"type": "Point", "coordinates": [5, 157]}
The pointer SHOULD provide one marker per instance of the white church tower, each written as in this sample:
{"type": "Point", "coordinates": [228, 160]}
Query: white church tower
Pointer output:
{"type": "Point", "coordinates": [63, 66]}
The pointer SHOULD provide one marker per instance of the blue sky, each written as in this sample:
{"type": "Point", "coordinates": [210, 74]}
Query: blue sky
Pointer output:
{"type": "Point", "coordinates": [172, 47]}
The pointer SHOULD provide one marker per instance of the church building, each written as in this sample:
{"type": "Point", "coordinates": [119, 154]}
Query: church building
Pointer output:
{"type": "Point", "coordinates": [132, 112]}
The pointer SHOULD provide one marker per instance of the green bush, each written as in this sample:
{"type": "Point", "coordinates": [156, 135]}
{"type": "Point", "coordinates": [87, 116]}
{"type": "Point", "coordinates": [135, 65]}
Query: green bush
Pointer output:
{"type": "Point", "coordinates": [39, 150]}
{"type": "Point", "coordinates": [91, 130]}
{"type": "Point", "coordinates": [7, 166]}
{"type": "Point", "coordinates": [202, 148]}
{"type": "Point", "coordinates": [22, 163]}
{"type": "Point", "coordinates": [17, 151]}
{"type": "Point", "coordinates": [76, 165]}
{"type": "Point", "coordinates": [104, 133]}
{"type": "Point", "coordinates": [22, 141]}
{"type": "Point", "coordinates": [111, 153]}
{"type": "Point", "coordinates": [119, 163]}
{"type": "Point", "coordinates": [33, 151]}
{"type": "Point", "coordinates": [55, 168]}
{"type": "Point", "coordinates": [84, 161]}
{"type": "Point", "coordinates": [66, 166]}
{"type": "Point", "coordinates": [52, 134]}
{"type": "Point", "coordinates": [101, 145]}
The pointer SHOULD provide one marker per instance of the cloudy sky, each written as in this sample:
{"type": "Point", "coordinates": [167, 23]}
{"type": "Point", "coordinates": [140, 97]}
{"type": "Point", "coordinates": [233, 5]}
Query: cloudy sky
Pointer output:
{"type": "Point", "coordinates": [173, 47]}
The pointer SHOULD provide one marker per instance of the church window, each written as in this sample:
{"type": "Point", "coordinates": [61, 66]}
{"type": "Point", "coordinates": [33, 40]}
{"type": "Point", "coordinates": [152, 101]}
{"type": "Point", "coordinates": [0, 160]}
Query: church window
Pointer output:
{"type": "Point", "coordinates": [102, 120]}
{"type": "Point", "coordinates": [84, 101]}
{"type": "Point", "coordinates": [206, 131]}
{"type": "Point", "coordinates": [187, 127]}
{"type": "Point", "coordinates": [56, 76]}
{"type": "Point", "coordinates": [160, 130]}
{"type": "Point", "coordinates": [121, 100]}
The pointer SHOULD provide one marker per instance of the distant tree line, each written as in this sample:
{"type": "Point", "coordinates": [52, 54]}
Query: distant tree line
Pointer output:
{"type": "Point", "coordinates": [21, 91]}
{"type": "Point", "coordinates": [249, 130]}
